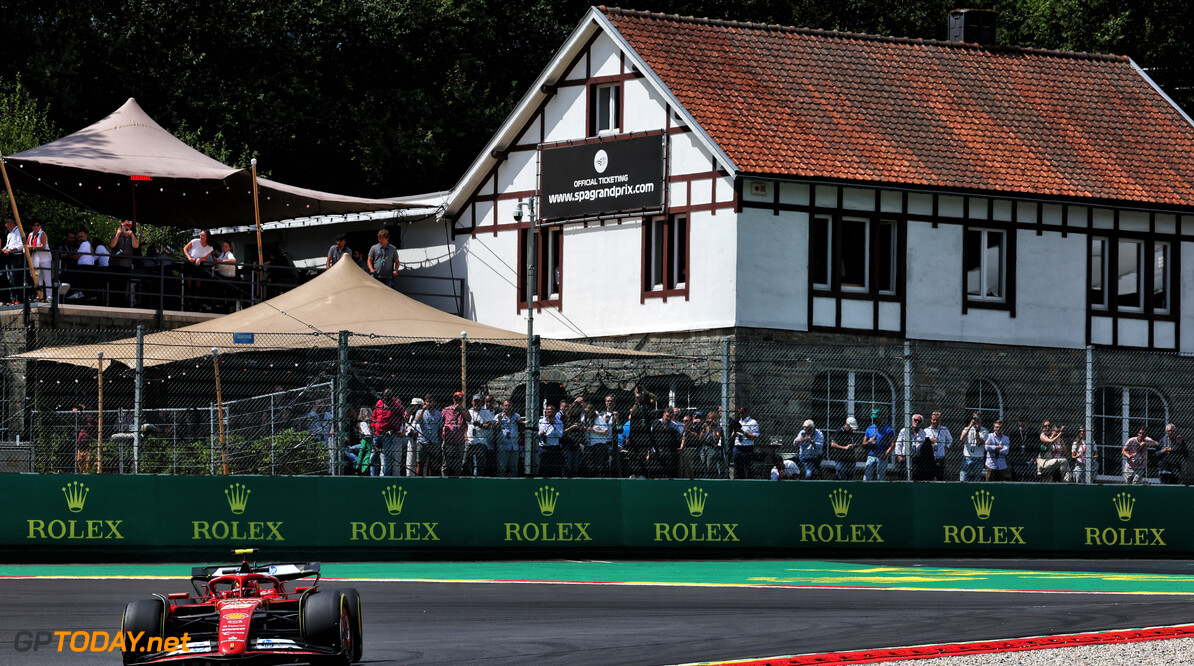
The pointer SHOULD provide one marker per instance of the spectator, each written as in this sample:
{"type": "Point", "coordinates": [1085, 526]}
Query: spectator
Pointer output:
{"type": "Point", "coordinates": [507, 428]}
{"type": "Point", "coordinates": [878, 442]}
{"type": "Point", "coordinates": [712, 448]}
{"type": "Point", "coordinates": [600, 435]}
{"type": "Point", "coordinates": [197, 253]}
{"type": "Point", "coordinates": [810, 449]}
{"type": "Point", "coordinates": [1082, 452]}
{"type": "Point", "coordinates": [666, 437]}
{"type": "Point", "coordinates": [996, 449]}
{"type": "Point", "coordinates": [361, 454]}
{"type": "Point", "coordinates": [320, 424]}
{"type": "Point", "coordinates": [83, 277]}
{"type": "Point", "coordinates": [785, 469]}
{"type": "Point", "coordinates": [1054, 461]}
{"type": "Point", "coordinates": [84, 439]}
{"type": "Point", "coordinates": [1171, 459]}
{"type": "Point", "coordinates": [636, 443]}
{"type": "Point", "coordinates": [842, 445]}
{"type": "Point", "coordinates": [941, 440]}
{"type": "Point", "coordinates": [478, 452]}
{"type": "Point", "coordinates": [1135, 454]}
{"type": "Point", "coordinates": [14, 262]}
{"type": "Point", "coordinates": [908, 444]}
{"type": "Point", "coordinates": [573, 440]}
{"type": "Point", "coordinates": [974, 453]}
{"type": "Point", "coordinates": [551, 429]}
{"type": "Point", "coordinates": [456, 420]}
{"type": "Point", "coordinates": [40, 257]}
{"type": "Point", "coordinates": [226, 271]}
{"type": "Point", "coordinates": [429, 421]}
{"type": "Point", "coordinates": [125, 245]}
{"type": "Point", "coordinates": [1021, 461]}
{"type": "Point", "coordinates": [339, 249]}
{"type": "Point", "coordinates": [383, 259]}
{"type": "Point", "coordinates": [686, 460]}
{"type": "Point", "coordinates": [746, 434]}
{"type": "Point", "coordinates": [389, 422]}
{"type": "Point", "coordinates": [409, 442]}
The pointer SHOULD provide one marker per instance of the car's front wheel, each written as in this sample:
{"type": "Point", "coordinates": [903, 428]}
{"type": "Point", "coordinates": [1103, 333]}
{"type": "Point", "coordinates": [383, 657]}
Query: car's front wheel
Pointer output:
{"type": "Point", "coordinates": [142, 618]}
{"type": "Point", "coordinates": [328, 624]}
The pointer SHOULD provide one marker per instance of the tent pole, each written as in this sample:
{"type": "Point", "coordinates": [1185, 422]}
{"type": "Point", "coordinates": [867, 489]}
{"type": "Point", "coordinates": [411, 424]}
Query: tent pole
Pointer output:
{"type": "Point", "coordinates": [215, 360]}
{"type": "Point", "coordinates": [257, 222]}
{"type": "Point", "coordinates": [16, 216]}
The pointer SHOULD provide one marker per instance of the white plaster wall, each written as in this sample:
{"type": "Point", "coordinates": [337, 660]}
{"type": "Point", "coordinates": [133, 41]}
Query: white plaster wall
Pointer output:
{"type": "Point", "coordinates": [519, 172]}
{"type": "Point", "coordinates": [606, 57]}
{"type": "Point", "coordinates": [1053, 316]}
{"type": "Point", "coordinates": [687, 155]}
{"type": "Point", "coordinates": [565, 114]}
{"type": "Point", "coordinates": [772, 255]}
{"type": "Point", "coordinates": [1186, 289]}
{"type": "Point", "coordinates": [643, 109]}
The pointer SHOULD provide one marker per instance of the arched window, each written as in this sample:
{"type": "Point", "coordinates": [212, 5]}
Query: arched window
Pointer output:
{"type": "Point", "coordinates": [984, 397]}
{"type": "Point", "coordinates": [837, 394]}
{"type": "Point", "coordinates": [1119, 411]}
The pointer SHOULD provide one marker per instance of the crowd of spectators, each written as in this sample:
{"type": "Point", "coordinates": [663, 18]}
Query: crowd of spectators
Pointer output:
{"type": "Point", "coordinates": [577, 437]}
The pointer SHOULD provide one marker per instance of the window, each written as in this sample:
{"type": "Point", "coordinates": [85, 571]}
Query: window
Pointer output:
{"type": "Point", "coordinates": [1118, 413]}
{"type": "Point", "coordinates": [549, 249]}
{"type": "Point", "coordinates": [861, 252]}
{"type": "Point", "coordinates": [985, 259]}
{"type": "Point", "coordinates": [837, 394]}
{"type": "Point", "coordinates": [604, 109]}
{"type": "Point", "coordinates": [1143, 277]}
{"type": "Point", "coordinates": [665, 246]}
{"type": "Point", "coordinates": [984, 397]}
{"type": "Point", "coordinates": [1098, 273]}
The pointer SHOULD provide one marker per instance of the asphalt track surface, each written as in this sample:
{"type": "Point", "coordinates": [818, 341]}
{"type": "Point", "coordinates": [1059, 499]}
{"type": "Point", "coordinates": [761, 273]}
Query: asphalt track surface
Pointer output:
{"type": "Point", "coordinates": [417, 622]}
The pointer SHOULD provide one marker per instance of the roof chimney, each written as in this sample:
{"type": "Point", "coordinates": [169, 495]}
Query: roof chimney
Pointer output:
{"type": "Point", "coordinates": [976, 26]}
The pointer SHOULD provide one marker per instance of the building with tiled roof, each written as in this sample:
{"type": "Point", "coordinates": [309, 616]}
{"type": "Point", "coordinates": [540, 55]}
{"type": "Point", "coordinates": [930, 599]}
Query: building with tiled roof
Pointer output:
{"type": "Point", "coordinates": [697, 175]}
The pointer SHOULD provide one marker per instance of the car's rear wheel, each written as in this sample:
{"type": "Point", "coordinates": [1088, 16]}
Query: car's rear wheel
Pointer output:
{"type": "Point", "coordinates": [328, 624]}
{"type": "Point", "coordinates": [142, 617]}
{"type": "Point", "coordinates": [357, 626]}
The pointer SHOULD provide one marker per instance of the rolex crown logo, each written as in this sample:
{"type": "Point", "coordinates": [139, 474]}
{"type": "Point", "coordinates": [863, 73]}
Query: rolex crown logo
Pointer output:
{"type": "Point", "coordinates": [76, 496]}
{"type": "Point", "coordinates": [983, 501]}
{"type": "Point", "coordinates": [695, 499]}
{"type": "Point", "coordinates": [395, 497]}
{"type": "Point", "coordinates": [546, 497]}
{"type": "Point", "coordinates": [1124, 503]}
{"type": "Point", "coordinates": [839, 499]}
{"type": "Point", "coordinates": [238, 497]}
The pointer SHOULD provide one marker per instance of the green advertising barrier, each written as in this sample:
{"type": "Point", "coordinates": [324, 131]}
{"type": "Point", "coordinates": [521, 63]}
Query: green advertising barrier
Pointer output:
{"type": "Point", "coordinates": [91, 516]}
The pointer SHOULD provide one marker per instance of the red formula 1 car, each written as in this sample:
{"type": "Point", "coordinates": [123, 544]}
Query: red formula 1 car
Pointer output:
{"type": "Point", "coordinates": [246, 613]}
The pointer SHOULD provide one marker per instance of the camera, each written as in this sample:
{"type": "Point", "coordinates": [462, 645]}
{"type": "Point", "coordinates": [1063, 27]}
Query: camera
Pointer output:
{"type": "Point", "coordinates": [518, 214]}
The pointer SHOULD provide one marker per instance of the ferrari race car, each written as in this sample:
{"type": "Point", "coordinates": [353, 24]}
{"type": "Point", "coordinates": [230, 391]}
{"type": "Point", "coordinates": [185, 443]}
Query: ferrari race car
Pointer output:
{"type": "Point", "coordinates": [246, 613]}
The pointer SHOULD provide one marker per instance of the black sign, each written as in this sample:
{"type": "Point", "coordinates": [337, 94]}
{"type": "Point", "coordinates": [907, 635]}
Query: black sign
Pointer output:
{"type": "Point", "coordinates": [602, 178]}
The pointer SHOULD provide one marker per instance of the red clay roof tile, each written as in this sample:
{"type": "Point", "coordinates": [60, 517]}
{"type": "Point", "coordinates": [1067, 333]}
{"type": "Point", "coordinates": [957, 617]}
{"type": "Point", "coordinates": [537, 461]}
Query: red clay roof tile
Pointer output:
{"type": "Point", "coordinates": [809, 103]}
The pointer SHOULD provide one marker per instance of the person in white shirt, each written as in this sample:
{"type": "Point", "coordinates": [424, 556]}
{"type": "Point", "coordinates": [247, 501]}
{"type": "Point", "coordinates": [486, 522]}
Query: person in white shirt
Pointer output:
{"type": "Point", "coordinates": [745, 436]}
{"type": "Point", "coordinates": [908, 444]}
{"type": "Point", "coordinates": [600, 438]}
{"type": "Point", "coordinates": [14, 261]}
{"type": "Point", "coordinates": [507, 426]}
{"type": "Point", "coordinates": [997, 447]}
{"type": "Point", "coordinates": [551, 429]}
{"type": "Point", "coordinates": [197, 252]}
{"type": "Point", "coordinates": [478, 449]}
{"type": "Point", "coordinates": [39, 253]}
{"type": "Point", "coordinates": [940, 438]}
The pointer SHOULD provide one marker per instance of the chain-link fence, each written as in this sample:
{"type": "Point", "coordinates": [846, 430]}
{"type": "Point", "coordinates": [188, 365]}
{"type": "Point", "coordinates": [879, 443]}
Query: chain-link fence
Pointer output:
{"type": "Point", "coordinates": [297, 404]}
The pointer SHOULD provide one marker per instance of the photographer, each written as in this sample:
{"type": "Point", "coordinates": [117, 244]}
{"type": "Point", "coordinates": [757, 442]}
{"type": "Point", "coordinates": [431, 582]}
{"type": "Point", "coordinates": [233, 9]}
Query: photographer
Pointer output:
{"type": "Point", "coordinates": [125, 245]}
{"type": "Point", "coordinates": [974, 452]}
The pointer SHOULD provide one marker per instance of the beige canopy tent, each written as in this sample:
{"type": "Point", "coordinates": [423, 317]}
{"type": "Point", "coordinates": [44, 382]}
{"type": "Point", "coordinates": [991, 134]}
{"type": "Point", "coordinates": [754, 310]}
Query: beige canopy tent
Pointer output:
{"type": "Point", "coordinates": [129, 167]}
{"type": "Point", "coordinates": [344, 298]}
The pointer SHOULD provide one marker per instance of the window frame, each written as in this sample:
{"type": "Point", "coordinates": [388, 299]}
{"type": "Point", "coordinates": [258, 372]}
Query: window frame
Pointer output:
{"type": "Point", "coordinates": [609, 109]}
{"type": "Point", "coordinates": [1007, 302]}
{"type": "Point", "coordinates": [852, 381]}
{"type": "Point", "coordinates": [1110, 460]}
{"type": "Point", "coordinates": [832, 268]}
{"type": "Point", "coordinates": [666, 251]}
{"type": "Point", "coordinates": [549, 251]}
{"type": "Point", "coordinates": [1146, 250]}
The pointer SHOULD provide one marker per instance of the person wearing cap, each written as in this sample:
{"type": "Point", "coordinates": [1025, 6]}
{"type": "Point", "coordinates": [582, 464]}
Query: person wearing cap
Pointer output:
{"type": "Point", "coordinates": [455, 435]}
{"type": "Point", "coordinates": [878, 442]}
{"type": "Point", "coordinates": [507, 428]}
{"type": "Point", "coordinates": [810, 448]}
{"type": "Point", "coordinates": [551, 429]}
{"type": "Point", "coordinates": [429, 421]}
{"type": "Point", "coordinates": [841, 449]}
{"type": "Point", "coordinates": [478, 450]}
{"type": "Point", "coordinates": [337, 250]}
{"type": "Point", "coordinates": [745, 436]}
{"type": "Point", "coordinates": [939, 437]}
{"type": "Point", "coordinates": [410, 441]}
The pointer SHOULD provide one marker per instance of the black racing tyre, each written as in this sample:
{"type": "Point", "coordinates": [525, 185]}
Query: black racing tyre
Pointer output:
{"type": "Point", "coordinates": [327, 624]}
{"type": "Point", "coordinates": [143, 615]}
{"type": "Point", "coordinates": [357, 625]}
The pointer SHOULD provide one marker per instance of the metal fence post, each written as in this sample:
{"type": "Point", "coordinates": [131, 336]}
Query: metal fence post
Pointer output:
{"type": "Point", "coordinates": [340, 393]}
{"type": "Point", "coordinates": [211, 439]}
{"type": "Point", "coordinates": [138, 386]}
{"type": "Point", "coordinates": [726, 444]}
{"type": "Point", "coordinates": [1089, 414]}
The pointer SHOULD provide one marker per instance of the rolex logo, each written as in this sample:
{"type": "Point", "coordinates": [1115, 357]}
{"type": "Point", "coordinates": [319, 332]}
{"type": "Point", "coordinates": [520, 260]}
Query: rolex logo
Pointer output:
{"type": "Point", "coordinates": [695, 499]}
{"type": "Point", "coordinates": [983, 501]}
{"type": "Point", "coordinates": [840, 501]}
{"type": "Point", "coordinates": [546, 497]}
{"type": "Point", "coordinates": [395, 497]}
{"type": "Point", "coordinates": [1124, 503]}
{"type": "Point", "coordinates": [76, 496]}
{"type": "Point", "coordinates": [238, 497]}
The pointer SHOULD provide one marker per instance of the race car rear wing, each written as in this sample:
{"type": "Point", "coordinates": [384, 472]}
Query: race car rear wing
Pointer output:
{"type": "Point", "coordinates": [289, 571]}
